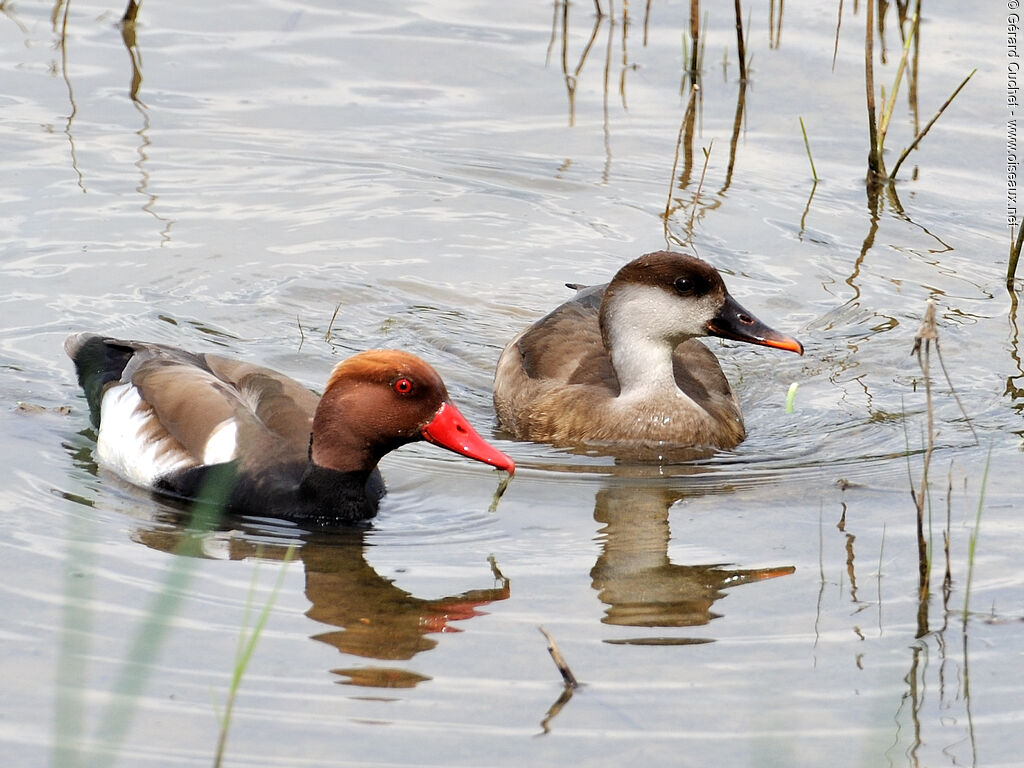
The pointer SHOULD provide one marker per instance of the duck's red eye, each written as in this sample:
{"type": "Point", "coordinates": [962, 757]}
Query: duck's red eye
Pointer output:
{"type": "Point", "coordinates": [402, 386]}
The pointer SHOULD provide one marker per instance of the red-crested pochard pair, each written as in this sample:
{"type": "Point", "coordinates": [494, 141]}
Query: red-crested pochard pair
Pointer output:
{"type": "Point", "coordinates": [618, 364]}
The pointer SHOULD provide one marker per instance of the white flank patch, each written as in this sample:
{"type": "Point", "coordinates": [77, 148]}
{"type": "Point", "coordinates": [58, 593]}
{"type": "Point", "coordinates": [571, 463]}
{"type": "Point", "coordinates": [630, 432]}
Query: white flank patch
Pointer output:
{"type": "Point", "coordinates": [132, 443]}
{"type": "Point", "coordinates": [223, 443]}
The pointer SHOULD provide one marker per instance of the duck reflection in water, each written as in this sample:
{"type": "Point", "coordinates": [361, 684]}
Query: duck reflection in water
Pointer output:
{"type": "Point", "coordinates": [375, 619]}
{"type": "Point", "coordinates": [634, 577]}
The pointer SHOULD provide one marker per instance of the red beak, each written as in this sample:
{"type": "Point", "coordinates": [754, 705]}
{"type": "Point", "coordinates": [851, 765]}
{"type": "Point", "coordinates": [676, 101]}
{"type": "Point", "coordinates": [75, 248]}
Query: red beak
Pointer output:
{"type": "Point", "coordinates": [450, 430]}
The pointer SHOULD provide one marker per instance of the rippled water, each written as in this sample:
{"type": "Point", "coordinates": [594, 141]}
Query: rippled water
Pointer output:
{"type": "Point", "coordinates": [294, 182]}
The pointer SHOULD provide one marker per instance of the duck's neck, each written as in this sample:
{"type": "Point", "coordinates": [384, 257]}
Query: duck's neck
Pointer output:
{"type": "Point", "coordinates": [342, 438]}
{"type": "Point", "coordinates": [337, 454]}
{"type": "Point", "coordinates": [327, 494]}
{"type": "Point", "coordinates": [643, 366]}
{"type": "Point", "coordinates": [640, 350]}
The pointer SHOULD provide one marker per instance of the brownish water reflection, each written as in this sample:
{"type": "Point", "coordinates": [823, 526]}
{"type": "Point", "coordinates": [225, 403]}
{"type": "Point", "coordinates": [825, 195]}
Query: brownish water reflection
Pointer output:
{"type": "Point", "coordinates": [635, 578]}
{"type": "Point", "coordinates": [374, 618]}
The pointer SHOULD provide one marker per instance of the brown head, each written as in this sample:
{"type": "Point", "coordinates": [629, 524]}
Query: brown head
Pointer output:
{"type": "Point", "coordinates": [378, 400]}
{"type": "Point", "coordinates": [672, 297]}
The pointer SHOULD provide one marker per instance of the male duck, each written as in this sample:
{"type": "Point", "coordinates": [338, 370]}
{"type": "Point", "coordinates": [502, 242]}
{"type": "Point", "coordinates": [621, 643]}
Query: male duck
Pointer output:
{"type": "Point", "coordinates": [167, 417]}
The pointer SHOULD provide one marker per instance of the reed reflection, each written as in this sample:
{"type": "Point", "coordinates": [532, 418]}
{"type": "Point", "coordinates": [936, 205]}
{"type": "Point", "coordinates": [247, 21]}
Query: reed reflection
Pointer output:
{"type": "Point", "coordinates": [634, 577]}
{"type": "Point", "coordinates": [366, 614]}
{"type": "Point", "coordinates": [130, 40]}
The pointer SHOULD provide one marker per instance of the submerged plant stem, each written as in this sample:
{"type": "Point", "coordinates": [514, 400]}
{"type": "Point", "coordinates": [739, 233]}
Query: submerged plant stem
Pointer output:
{"type": "Point", "coordinates": [973, 542]}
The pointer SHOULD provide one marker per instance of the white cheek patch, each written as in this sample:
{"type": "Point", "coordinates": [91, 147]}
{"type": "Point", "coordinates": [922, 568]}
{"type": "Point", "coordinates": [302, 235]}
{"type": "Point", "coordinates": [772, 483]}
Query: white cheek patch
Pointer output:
{"type": "Point", "coordinates": [645, 310]}
{"type": "Point", "coordinates": [132, 442]}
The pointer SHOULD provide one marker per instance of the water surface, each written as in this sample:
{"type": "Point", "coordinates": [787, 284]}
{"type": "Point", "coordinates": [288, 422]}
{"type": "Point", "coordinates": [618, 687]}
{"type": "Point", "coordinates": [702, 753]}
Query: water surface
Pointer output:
{"type": "Point", "coordinates": [288, 183]}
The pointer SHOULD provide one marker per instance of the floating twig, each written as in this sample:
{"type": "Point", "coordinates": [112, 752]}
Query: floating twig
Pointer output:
{"type": "Point", "coordinates": [556, 656]}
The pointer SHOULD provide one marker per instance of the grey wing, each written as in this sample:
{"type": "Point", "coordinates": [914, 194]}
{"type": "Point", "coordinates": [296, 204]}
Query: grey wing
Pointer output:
{"type": "Point", "coordinates": [566, 345]}
{"type": "Point", "coordinates": [282, 404]}
{"type": "Point", "coordinates": [699, 375]}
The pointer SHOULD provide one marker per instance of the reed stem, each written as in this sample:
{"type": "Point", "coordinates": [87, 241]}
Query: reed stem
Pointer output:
{"type": "Point", "coordinates": [807, 146]}
{"type": "Point", "coordinates": [740, 45]}
{"type": "Point", "coordinates": [921, 134]}
{"type": "Point", "coordinates": [1011, 266]}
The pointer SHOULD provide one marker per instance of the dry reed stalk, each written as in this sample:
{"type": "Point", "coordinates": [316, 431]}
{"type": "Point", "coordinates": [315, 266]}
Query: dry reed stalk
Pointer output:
{"type": "Point", "coordinates": [690, 105]}
{"type": "Point", "coordinates": [835, 46]}
{"type": "Point", "coordinates": [1011, 267]}
{"type": "Point", "coordinates": [740, 46]}
{"type": "Point", "coordinates": [947, 578]}
{"type": "Point", "coordinates": [883, 126]}
{"type": "Point", "coordinates": [700, 184]}
{"type": "Point", "coordinates": [694, 36]}
{"type": "Point", "coordinates": [330, 325]}
{"type": "Point", "coordinates": [926, 334]}
{"type": "Point", "coordinates": [917, 139]}
{"type": "Point", "coordinates": [131, 12]}
{"type": "Point", "coordinates": [874, 152]}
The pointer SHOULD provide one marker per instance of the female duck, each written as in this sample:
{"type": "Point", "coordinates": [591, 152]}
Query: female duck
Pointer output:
{"type": "Point", "coordinates": [179, 423]}
{"type": "Point", "coordinates": [620, 363]}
